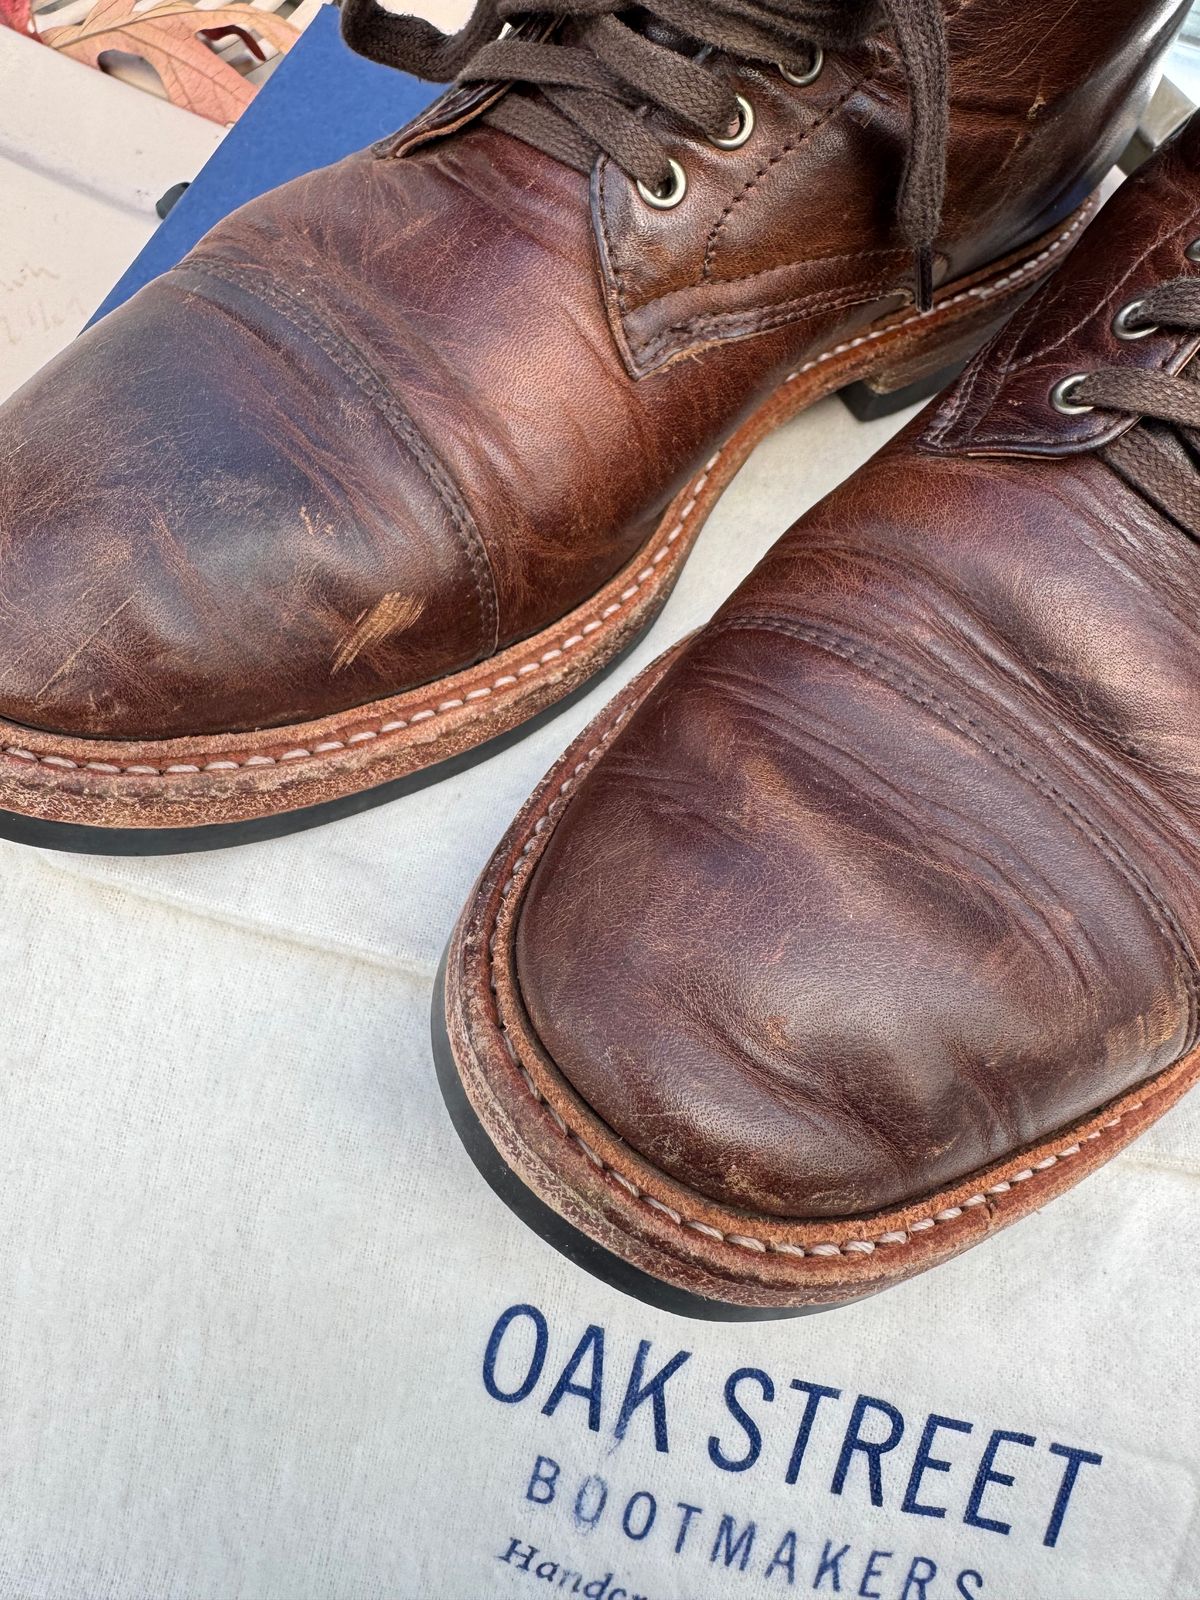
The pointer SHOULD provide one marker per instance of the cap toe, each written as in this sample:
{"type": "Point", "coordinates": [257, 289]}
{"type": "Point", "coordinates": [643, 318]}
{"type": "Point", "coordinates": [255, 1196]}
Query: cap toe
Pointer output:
{"type": "Point", "coordinates": [782, 942]}
{"type": "Point", "coordinates": [206, 527]}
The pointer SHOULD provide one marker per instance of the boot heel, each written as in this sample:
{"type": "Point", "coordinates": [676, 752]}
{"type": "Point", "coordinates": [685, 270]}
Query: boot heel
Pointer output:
{"type": "Point", "coordinates": [931, 356]}
{"type": "Point", "coordinates": [923, 354]}
{"type": "Point", "coordinates": [867, 403]}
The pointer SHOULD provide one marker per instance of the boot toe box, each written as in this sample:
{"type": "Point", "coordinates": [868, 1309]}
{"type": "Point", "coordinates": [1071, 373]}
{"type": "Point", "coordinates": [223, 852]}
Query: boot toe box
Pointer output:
{"type": "Point", "coordinates": [206, 527]}
{"type": "Point", "coordinates": [781, 941]}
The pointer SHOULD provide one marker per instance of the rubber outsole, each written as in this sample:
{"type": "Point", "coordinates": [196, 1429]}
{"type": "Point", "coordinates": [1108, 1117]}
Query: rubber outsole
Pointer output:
{"type": "Point", "coordinates": [80, 839]}
{"type": "Point", "coordinates": [167, 796]}
{"type": "Point", "coordinates": [555, 1230]}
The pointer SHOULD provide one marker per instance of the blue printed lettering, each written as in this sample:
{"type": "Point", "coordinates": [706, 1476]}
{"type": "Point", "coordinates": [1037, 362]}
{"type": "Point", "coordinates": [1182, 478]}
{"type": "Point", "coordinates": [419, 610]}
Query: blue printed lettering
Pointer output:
{"type": "Point", "coordinates": [541, 1334]}
{"type": "Point", "coordinates": [542, 1480]}
{"type": "Point", "coordinates": [873, 1570]}
{"type": "Point", "coordinates": [685, 1522]}
{"type": "Point", "coordinates": [589, 1519]}
{"type": "Point", "coordinates": [518, 1554]}
{"type": "Point", "coordinates": [917, 1580]}
{"type": "Point", "coordinates": [592, 1344]}
{"type": "Point", "coordinates": [925, 1462]}
{"type": "Point", "coordinates": [987, 1474]}
{"type": "Point", "coordinates": [730, 1548]}
{"type": "Point", "coordinates": [1075, 1460]}
{"type": "Point", "coordinates": [831, 1565]}
{"type": "Point", "coordinates": [749, 1427]}
{"type": "Point", "coordinates": [651, 1513]}
{"type": "Point", "coordinates": [784, 1558]}
{"type": "Point", "coordinates": [872, 1449]}
{"type": "Point", "coordinates": [816, 1392]}
{"type": "Point", "coordinates": [640, 1389]}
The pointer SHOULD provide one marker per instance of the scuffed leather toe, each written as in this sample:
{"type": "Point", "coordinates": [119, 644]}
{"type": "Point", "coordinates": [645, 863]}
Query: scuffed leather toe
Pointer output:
{"type": "Point", "coordinates": [207, 524]}
{"type": "Point", "coordinates": [788, 941]}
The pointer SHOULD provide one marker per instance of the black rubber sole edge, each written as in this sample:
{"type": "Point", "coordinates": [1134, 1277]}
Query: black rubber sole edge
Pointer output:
{"type": "Point", "coordinates": [83, 839]}
{"type": "Point", "coordinates": [863, 402]}
{"type": "Point", "coordinates": [555, 1230]}
{"type": "Point", "coordinates": [866, 404]}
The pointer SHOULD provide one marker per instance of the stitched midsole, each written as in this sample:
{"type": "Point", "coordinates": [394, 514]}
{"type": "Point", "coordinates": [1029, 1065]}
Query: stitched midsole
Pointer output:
{"type": "Point", "coordinates": [983, 1187]}
{"type": "Point", "coordinates": [368, 724]}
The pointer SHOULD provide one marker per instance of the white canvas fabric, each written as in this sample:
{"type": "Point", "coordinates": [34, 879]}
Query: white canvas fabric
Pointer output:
{"type": "Point", "coordinates": [265, 1333]}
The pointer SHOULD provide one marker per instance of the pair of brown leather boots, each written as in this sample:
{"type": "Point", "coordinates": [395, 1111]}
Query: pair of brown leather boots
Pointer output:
{"type": "Point", "coordinates": [862, 923]}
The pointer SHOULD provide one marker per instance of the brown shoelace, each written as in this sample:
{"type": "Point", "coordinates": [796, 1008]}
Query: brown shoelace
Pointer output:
{"type": "Point", "coordinates": [580, 85]}
{"type": "Point", "coordinates": [1160, 456]}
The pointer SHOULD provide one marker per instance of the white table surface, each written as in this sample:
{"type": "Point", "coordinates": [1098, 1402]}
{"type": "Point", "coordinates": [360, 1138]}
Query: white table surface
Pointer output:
{"type": "Point", "coordinates": [249, 1276]}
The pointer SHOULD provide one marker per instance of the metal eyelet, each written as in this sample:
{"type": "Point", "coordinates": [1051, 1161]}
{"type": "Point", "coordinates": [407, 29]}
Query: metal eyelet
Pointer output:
{"type": "Point", "coordinates": [809, 75]}
{"type": "Point", "coordinates": [1193, 251]}
{"type": "Point", "coordinates": [743, 130]}
{"type": "Point", "coordinates": [1060, 396]}
{"type": "Point", "coordinates": [665, 199]}
{"type": "Point", "coordinates": [1125, 323]}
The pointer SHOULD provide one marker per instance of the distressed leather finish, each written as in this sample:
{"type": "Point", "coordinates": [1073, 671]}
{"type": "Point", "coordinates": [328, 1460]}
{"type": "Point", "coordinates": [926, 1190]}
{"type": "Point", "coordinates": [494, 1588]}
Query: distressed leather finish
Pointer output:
{"type": "Point", "coordinates": [404, 411]}
{"type": "Point", "coordinates": [1005, 408]}
{"type": "Point", "coordinates": [896, 872]}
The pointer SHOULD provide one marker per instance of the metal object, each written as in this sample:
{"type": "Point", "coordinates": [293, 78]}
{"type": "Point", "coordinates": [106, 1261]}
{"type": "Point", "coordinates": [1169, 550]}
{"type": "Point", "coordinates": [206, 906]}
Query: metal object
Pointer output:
{"type": "Point", "coordinates": [810, 75]}
{"type": "Point", "coordinates": [665, 199]}
{"type": "Point", "coordinates": [1126, 326]}
{"type": "Point", "coordinates": [744, 128]}
{"type": "Point", "coordinates": [1060, 396]}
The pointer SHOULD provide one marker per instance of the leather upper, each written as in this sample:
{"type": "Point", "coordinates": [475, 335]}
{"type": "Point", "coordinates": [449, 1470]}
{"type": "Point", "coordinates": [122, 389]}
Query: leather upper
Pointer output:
{"type": "Point", "coordinates": [897, 870]}
{"type": "Point", "coordinates": [411, 408]}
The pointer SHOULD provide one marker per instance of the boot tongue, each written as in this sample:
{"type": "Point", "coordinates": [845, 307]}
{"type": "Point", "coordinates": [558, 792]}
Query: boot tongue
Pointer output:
{"type": "Point", "coordinates": [660, 32]}
{"type": "Point", "coordinates": [637, 19]}
{"type": "Point", "coordinates": [1141, 240]}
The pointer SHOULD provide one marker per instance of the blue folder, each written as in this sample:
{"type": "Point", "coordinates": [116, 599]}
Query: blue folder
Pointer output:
{"type": "Point", "coordinates": [321, 103]}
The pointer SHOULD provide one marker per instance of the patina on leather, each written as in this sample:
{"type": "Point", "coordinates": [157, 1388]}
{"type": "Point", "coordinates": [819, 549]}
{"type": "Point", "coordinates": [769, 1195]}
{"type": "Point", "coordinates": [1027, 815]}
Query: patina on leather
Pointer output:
{"type": "Point", "coordinates": [446, 387]}
{"type": "Point", "coordinates": [895, 873]}
{"type": "Point", "coordinates": [582, 86]}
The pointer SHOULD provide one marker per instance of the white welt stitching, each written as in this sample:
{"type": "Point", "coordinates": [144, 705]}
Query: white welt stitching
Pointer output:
{"type": "Point", "coordinates": [978, 292]}
{"type": "Point", "coordinates": [504, 682]}
{"type": "Point", "coordinates": [746, 1241]}
{"type": "Point", "coordinates": [852, 1247]}
{"type": "Point", "coordinates": [981, 291]}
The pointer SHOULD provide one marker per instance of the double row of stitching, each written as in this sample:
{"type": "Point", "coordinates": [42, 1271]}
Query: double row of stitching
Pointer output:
{"type": "Point", "coordinates": [924, 695]}
{"type": "Point", "coordinates": [618, 270]}
{"type": "Point", "coordinates": [746, 1235]}
{"type": "Point", "coordinates": [504, 683]}
{"type": "Point", "coordinates": [891, 254]}
{"type": "Point", "coordinates": [764, 319]}
{"type": "Point", "coordinates": [729, 324]}
{"type": "Point", "coordinates": [355, 366]}
{"type": "Point", "coordinates": [789, 147]}
{"type": "Point", "coordinates": [770, 1245]}
{"type": "Point", "coordinates": [935, 434]}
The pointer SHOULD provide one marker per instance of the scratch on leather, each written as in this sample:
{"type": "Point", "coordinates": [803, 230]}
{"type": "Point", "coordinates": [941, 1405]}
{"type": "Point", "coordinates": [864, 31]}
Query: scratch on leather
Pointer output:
{"type": "Point", "coordinates": [91, 638]}
{"type": "Point", "coordinates": [359, 371]}
{"type": "Point", "coordinates": [985, 1196]}
{"type": "Point", "coordinates": [503, 684]}
{"type": "Point", "coordinates": [392, 614]}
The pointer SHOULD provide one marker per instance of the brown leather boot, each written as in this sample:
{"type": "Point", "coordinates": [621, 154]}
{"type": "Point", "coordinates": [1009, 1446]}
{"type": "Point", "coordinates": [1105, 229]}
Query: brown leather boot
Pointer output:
{"type": "Point", "coordinates": [865, 922]}
{"type": "Point", "coordinates": [407, 450]}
